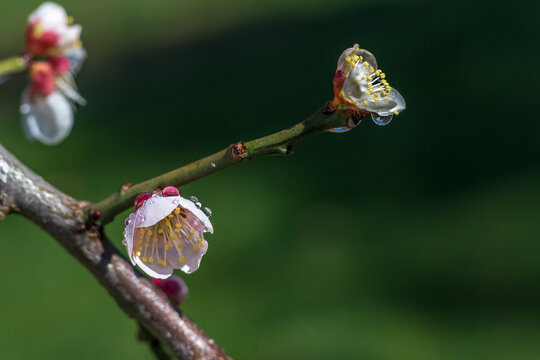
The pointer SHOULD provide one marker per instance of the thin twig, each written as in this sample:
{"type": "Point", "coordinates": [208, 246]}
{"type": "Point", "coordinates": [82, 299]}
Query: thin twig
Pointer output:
{"type": "Point", "coordinates": [279, 143]}
{"type": "Point", "coordinates": [12, 65]}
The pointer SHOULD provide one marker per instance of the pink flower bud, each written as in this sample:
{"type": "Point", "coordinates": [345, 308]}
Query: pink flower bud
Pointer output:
{"type": "Point", "coordinates": [170, 191]}
{"type": "Point", "coordinates": [59, 64]}
{"type": "Point", "coordinates": [174, 287]}
{"type": "Point", "coordinates": [42, 79]}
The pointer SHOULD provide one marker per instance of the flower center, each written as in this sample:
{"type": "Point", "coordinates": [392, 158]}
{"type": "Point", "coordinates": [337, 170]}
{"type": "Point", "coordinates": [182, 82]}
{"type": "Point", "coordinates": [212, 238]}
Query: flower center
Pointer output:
{"type": "Point", "coordinates": [169, 240]}
{"type": "Point", "coordinates": [371, 82]}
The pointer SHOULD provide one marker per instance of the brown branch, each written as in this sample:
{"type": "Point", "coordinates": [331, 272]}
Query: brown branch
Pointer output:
{"type": "Point", "coordinates": [63, 217]}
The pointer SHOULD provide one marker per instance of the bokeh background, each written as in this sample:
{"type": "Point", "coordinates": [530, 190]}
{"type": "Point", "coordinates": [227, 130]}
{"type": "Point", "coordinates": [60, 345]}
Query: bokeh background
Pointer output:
{"type": "Point", "coordinates": [418, 240]}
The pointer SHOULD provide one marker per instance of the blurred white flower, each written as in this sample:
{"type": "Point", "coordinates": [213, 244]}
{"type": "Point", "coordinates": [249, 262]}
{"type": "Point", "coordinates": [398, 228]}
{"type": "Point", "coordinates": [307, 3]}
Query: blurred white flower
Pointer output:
{"type": "Point", "coordinates": [165, 233]}
{"type": "Point", "coordinates": [47, 104]}
{"type": "Point", "coordinates": [49, 31]}
{"type": "Point", "coordinates": [359, 85]}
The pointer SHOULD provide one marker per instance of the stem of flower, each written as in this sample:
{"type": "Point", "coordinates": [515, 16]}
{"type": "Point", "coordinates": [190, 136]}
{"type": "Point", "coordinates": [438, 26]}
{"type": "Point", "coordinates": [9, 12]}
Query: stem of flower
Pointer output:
{"type": "Point", "coordinates": [12, 65]}
{"type": "Point", "coordinates": [279, 143]}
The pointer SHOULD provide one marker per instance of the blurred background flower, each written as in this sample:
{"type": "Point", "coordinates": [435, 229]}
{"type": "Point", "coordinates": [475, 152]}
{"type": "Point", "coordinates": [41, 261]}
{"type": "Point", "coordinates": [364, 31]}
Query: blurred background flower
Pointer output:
{"type": "Point", "coordinates": [55, 56]}
{"type": "Point", "coordinates": [417, 240]}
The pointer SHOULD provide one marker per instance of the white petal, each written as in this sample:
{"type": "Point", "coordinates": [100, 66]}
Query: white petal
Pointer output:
{"type": "Point", "coordinates": [158, 271]}
{"type": "Point", "coordinates": [189, 205]}
{"type": "Point", "coordinates": [50, 15]}
{"type": "Point", "coordinates": [355, 50]}
{"type": "Point", "coordinates": [383, 107]}
{"type": "Point", "coordinates": [356, 84]}
{"type": "Point", "coordinates": [48, 120]}
{"type": "Point", "coordinates": [155, 209]}
{"type": "Point", "coordinates": [129, 232]}
{"type": "Point", "coordinates": [69, 36]}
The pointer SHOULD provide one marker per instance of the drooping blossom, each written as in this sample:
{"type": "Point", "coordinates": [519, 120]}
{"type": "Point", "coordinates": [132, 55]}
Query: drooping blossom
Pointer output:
{"type": "Point", "coordinates": [55, 57]}
{"type": "Point", "coordinates": [174, 287]}
{"type": "Point", "coordinates": [49, 31]}
{"type": "Point", "coordinates": [360, 86]}
{"type": "Point", "coordinates": [165, 233]}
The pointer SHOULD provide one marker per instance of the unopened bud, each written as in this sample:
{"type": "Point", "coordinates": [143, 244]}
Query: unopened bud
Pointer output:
{"type": "Point", "coordinates": [174, 287]}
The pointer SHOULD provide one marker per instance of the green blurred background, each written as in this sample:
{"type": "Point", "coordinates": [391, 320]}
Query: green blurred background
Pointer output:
{"type": "Point", "coordinates": [418, 240]}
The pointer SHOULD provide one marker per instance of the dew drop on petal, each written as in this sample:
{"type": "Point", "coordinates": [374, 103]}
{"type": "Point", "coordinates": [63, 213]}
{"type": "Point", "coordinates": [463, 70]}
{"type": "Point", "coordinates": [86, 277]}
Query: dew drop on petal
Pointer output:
{"type": "Point", "coordinates": [207, 211]}
{"type": "Point", "coordinates": [127, 221]}
{"type": "Point", "coordinates": [213, 164]}
{"type": "Point", "coordinates": [175, 201]}
{"type": "Point", "coordinates": [124, 242]}
{"type": "Point", "coordinates": [193, 199]}
{"type": "Point", "coordinates": [340, 130]}
{"type": "Point", "coordinates": [142, 218]}
{"type": "Point", "coordinates": [25, 109]}
{"type": "Point", "coordinates": [198, 204]}
{"type": "Point", "coordinates": [381, 120]}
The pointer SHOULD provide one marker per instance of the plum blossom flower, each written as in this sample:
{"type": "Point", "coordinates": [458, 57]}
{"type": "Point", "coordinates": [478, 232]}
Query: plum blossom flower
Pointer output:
{"type": "Point", "coordinates": [360, 86]}
{"type": "Point", "coordinates": [49, 31]}
{"type": "Point", "coordinates": [55, 57]}
{"type": "Point", "coordinates": [174, 287]}
{"type": "Point", "coordinates": [165, 233]}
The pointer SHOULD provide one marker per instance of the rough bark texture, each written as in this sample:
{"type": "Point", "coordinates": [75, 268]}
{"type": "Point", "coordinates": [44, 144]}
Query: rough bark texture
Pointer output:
{"type": "Point", "coordinates": [64, 218]}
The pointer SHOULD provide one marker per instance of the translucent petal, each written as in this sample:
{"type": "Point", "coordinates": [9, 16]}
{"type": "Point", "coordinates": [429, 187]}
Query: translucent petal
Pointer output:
{"type": "Point", "coordinates": [356, 84]}
{"type": "Point", "coordinates": [48, 120]}
{"type": "Point", "coordinates": [155, 270]}
{"type": "Point", "coordinates": [366, 56]}
{"type": "Point", "coordinates": [198, 213]}
{"type": "Point", "coordinates": [383, 107]}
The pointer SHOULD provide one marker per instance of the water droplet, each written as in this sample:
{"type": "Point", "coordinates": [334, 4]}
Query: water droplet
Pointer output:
{"type": "Point", "coordinates": [25, 109]}
{"type": "Point", "coordinates": [340, 130]}
{"type": "Point", "coordinates": [124, 242]}
{"type": "Point", "coordinates": [127, 221]}
{"type": "Point", "coordinates": [175, 201]}
{"type": "Point", "coordinates": [193, 199]}
{"type": "Point", "coordinates": [213, 164]}
{"type": "Point", "coordinates": [142, 218]}
{"type": "Point", "coordinates": [198, 204]}
{"type": "Point", "coordinates": [381, 120]}
{"type": "Point", "coordinates": [207, 211]}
